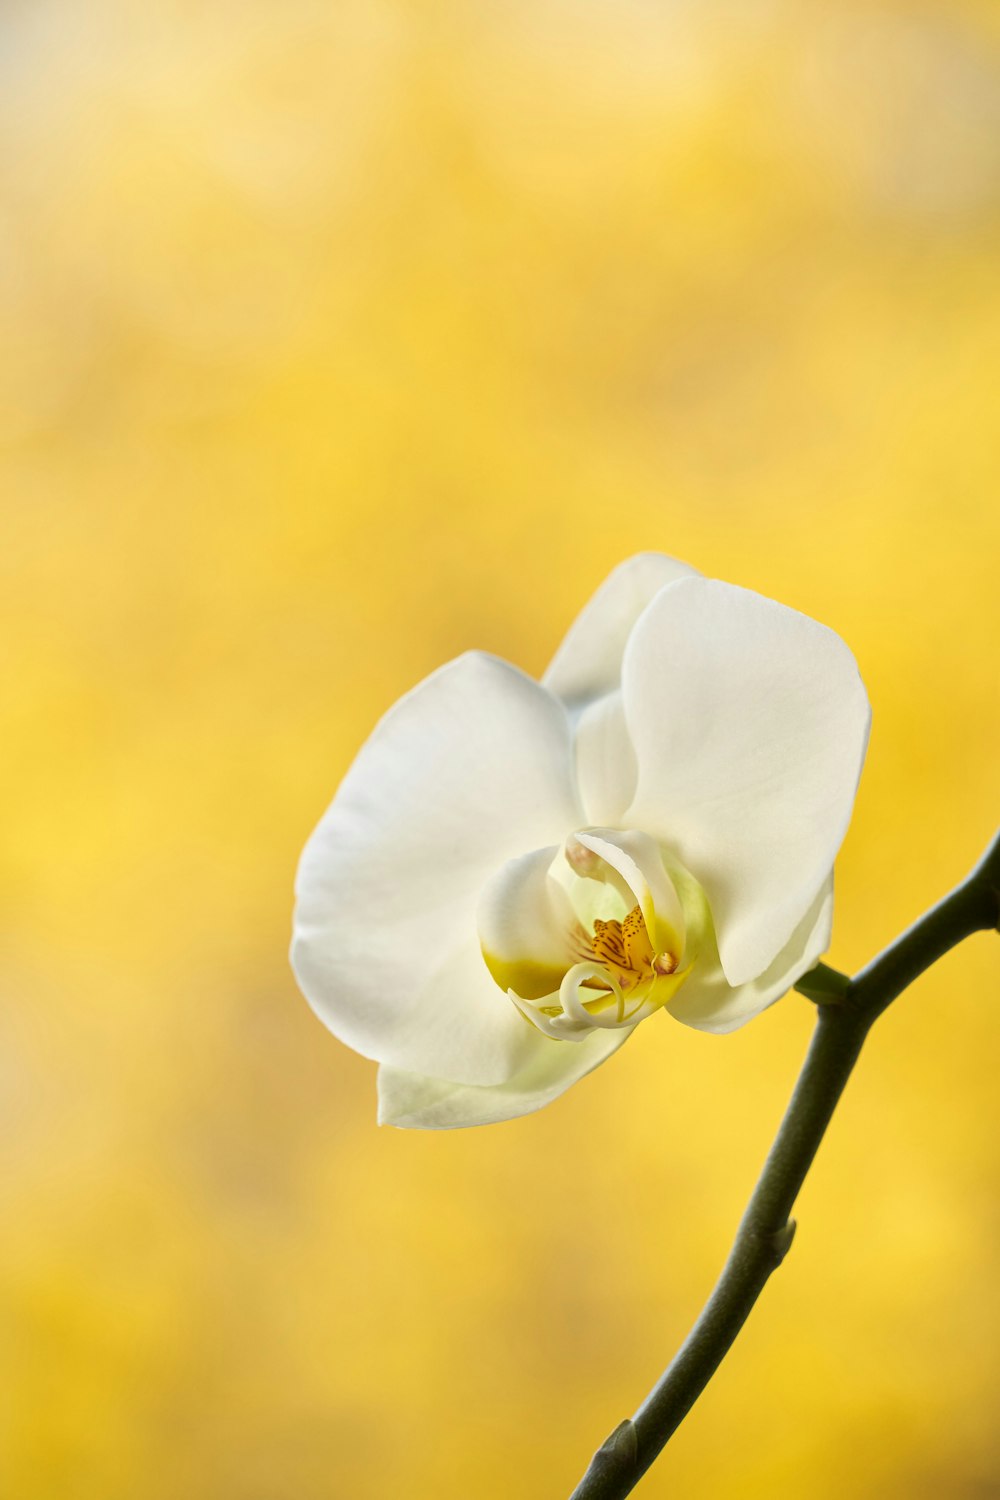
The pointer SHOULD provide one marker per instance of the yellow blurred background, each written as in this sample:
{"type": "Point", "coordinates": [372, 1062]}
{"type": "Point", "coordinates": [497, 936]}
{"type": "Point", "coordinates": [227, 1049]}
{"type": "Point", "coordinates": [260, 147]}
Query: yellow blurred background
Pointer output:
{"type": "Point", "coordinates": [336, 339]}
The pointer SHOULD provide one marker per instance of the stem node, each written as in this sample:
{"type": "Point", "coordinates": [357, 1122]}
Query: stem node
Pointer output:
{"type": "Point", "coordinates": [781, 1242]}
{"type": "Point", "coordinates": [613, 1469]}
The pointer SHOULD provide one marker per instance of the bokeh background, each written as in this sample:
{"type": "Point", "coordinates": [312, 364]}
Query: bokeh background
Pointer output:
{"type": "Point", "coordinates": [336, 339]}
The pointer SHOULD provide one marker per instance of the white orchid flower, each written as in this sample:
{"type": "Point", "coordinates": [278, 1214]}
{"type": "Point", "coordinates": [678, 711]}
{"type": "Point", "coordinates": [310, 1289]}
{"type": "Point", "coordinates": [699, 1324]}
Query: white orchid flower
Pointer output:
{"type": "Point", "coordinates": [515, 875]}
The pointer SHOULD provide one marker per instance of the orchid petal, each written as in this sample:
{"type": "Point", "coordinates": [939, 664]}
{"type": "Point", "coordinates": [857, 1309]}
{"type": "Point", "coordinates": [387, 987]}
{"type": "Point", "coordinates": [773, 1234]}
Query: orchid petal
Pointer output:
{"type": "Point", "coordinates": [749, 723]}
{"type": "Point", "coordinates": [469, 769]}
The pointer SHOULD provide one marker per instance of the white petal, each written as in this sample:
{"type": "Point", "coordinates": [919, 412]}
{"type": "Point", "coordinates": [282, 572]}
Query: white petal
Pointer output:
{"type": "Point", "coordinates": [588, 663]}
{"type": "Point", "coordinates": [749, 723]}
{"type": "Point", "coordinates": [709, 1003]}
{"type": "Point", "coordinates": [412, 1102]}
{"type": "Point", "coordinates": [524, 922]}
{"type": "Point", "coordinates": [470, 768]}
{"type": "Point", "coordinates": [605, 760]}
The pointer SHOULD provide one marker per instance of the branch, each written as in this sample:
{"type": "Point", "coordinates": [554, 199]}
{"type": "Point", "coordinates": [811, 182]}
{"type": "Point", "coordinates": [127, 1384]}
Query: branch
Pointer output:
{"type": "Point", "coordinates": [846, 1010]}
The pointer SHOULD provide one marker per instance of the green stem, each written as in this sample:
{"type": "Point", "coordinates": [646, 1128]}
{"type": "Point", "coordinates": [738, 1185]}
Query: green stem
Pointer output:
{"type": "Point", "coordinates": [845, 1014]}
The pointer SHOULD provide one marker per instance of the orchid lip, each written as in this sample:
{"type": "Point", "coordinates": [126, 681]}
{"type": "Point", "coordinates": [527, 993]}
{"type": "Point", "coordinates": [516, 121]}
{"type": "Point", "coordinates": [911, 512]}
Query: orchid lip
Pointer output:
{"type": "Point", "coordinates": [615, 915]}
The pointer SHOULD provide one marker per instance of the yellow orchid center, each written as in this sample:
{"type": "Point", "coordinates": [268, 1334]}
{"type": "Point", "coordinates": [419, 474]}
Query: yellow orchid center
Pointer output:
{"type": "Point", "coordinates": [625, 949]}
{"type": "Point", "coordinates": [632, 927]}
